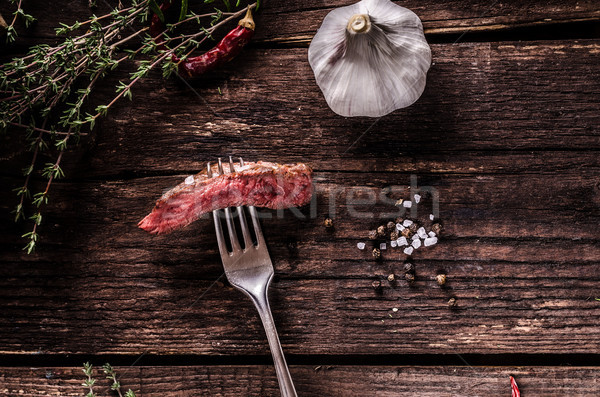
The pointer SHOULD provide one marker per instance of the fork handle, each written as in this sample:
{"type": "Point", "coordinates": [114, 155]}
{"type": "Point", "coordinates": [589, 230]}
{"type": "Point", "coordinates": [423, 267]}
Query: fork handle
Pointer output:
{"type": "Point", "coordinates": [286, 384]}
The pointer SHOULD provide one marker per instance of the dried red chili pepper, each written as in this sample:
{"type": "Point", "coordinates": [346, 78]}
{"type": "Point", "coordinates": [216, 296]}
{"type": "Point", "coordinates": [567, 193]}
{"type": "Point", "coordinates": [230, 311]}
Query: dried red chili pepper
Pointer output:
{"type": "Point", "coordinates": [225, 51]}
{"type": "Point", "coordinates": [157, 27]}
{"type": "Point", "coordinates": [514, 387]}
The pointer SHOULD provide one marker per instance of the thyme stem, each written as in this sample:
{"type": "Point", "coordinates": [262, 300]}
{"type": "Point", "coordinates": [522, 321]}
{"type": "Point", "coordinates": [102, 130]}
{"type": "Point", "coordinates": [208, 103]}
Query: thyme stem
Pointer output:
{"type": "Point", "coordinates": [42, 93]}
{"type": "Point", "coordinates": [14, 20]}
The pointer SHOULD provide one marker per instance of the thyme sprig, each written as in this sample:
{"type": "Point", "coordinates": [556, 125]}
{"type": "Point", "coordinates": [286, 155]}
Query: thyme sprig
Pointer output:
{"type": "Point", "coordinates": [46, 93]}
{"type": "Point", "coordinates": [116, 385]}
{"type": "Point", "coordinates": [90, 381]}
{"type": "Point", "coordinates": [10, 31]}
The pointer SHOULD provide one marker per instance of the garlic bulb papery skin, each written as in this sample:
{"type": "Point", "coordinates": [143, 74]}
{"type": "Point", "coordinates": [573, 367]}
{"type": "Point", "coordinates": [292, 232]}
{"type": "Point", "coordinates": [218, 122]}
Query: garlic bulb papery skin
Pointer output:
{"type": "Point", "coordinates": [370, 58]}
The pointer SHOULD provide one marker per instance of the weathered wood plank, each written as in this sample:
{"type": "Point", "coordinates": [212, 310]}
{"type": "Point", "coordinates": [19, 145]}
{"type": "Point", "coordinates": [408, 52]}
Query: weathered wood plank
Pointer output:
{"type": "Point", "coordinates": [296, 21]}
{"type": "Point", "coordinates": [521, 227]}
{"type": "Point", "coordinates": [343, 381]}
{"type": "Point", "coordinates": [538, 101]}
{"type": "Point", "coordinates": [481, 98]}
{"type": "Point", "coordinates": [101, 217]}
{"type": "Point", "coordinates": [150, 305]}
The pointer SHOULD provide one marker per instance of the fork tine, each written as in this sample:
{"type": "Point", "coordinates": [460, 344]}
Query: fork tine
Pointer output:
{"type": "Point", "coordinates": [220, 237]}
{"type": "Point", "coordinates": [245, 230]}
{"type": "Point", "coordinates": [254, 215]}
{"type": "Point", "coordinates": [259, 236]}
{"type": "Point", "coordinates": [235, 244]}
{"type": "Point", "coordinates": [218, 229]}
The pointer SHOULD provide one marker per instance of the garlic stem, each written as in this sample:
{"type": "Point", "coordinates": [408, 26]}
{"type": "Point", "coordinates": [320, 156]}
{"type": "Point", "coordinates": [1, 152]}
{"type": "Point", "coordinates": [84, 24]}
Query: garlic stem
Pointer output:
{"type": "Point", "coordinates": [359, 23]}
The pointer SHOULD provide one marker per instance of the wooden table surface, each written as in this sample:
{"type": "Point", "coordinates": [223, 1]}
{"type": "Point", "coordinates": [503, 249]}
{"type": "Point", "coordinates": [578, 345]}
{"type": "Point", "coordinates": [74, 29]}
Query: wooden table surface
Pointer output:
{"type": "Point", "coordinates": [507, 132]}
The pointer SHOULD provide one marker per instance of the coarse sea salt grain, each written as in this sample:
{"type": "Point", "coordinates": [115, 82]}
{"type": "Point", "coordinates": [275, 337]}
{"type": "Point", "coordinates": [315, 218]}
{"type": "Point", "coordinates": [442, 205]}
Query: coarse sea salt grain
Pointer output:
{"type": "Point", "coordinates": [430, 241]}
{"type": "Point", "coordinates": [431, 217]}
{"type": "Point", "coordinates": [416, 243]}
{"type": "Point", "coordinates": [407, 223]}
{"type": "Point", "coordinates": [394, 243]}
{"type": "Point", "coordinates": [422, 232]}
{"type": "Point", "coordinates": [189, 180]}
{"type": "Point", "coordinates": [417, 198]}
{"type": "Point", "coordinates": [408, 250]}
{"type": "Point", "coordinates": [361, 246]}
{"type": "Point", "coordinates": [432, 234]}
{"type": "Point", "coordinates": [395, 309]}
{"type": "Point", "coordinates": [415, 237]}
{"type": "Point", "coordinates": [407, 204]}
{"type": "Point", "coordinates": [399, 227]}
{"type": "Point", "coordinates": [402, 241]}
{"type": "Point", "coordinates": [382, 246]}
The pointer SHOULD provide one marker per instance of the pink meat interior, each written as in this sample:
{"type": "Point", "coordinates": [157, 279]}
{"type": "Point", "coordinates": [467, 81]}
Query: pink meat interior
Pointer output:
{"type": "Point", "coordinates": [264, 185]}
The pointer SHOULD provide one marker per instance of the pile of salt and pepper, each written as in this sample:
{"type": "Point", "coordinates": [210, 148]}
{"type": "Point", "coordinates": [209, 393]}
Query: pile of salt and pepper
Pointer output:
{"type": "Point", "coordinates": [410, 235]}
{"type": "Point", "coordinates": [407, 234]}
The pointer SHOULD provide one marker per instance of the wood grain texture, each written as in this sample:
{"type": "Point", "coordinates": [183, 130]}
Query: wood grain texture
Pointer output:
{"type": "Point", "coordinates": [506, 132]}
{"type": "Point", "coordinates": [343, 381]}
{"type": "Point", "coordinates": [101, 285]}
{"type": "Point", "coordinates": [539, 101]}
{"type": "Point", "coordinates": [176, 314]}
{"type": "Point", "coordinates": [479, 97]}
{"type": "Point", "coordinates": [103, 215]}
{"type": "Point", "coordinates": [295, 22]}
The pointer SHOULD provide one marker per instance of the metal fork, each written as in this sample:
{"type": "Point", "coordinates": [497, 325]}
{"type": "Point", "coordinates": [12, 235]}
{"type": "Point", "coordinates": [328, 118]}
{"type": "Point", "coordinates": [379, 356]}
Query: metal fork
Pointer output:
{"type": "Point", "coordinates": [250, 270]}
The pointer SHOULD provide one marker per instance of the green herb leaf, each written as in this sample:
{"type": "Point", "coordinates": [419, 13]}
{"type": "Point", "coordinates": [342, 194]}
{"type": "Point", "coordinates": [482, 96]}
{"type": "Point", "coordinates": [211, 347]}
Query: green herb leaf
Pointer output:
{"type": "Point", "coordinates": [184, 10]}
{"type": "Point", "coordinates": [19, 212]}
{"type": "Point", "coordinates": [156, 9]}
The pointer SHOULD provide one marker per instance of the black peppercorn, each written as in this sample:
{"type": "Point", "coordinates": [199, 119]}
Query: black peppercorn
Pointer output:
{"type": "Point", "coordinates": [391, 278]}
{"type": "Point", "coordinates": [436, 228]}
{"type": "Point", "coordinates": [328, 223]}
{"type": "Point", "coordinates": [381, 231]}
{"type": "Point", "coordinates": [452, 302]}
{"type": "Point", "coordinates": [376, 284]}
{"type": "Point", "coordinates": [410, 277]}
{"type": "Point", "coordinates": [409, 267]}
{"type": "Point", "coordinates": [407, 233]}
{"type": "Point", "coordinates": [399, 220]}
{"type": "Point", "coordinates": [391, 226]}
{"type": "Point", "coordinates": [394, 235]}
{"type": "Point", "coordinates": [372, 234]}
{"type": "Point", "coordinates": [413, 228]}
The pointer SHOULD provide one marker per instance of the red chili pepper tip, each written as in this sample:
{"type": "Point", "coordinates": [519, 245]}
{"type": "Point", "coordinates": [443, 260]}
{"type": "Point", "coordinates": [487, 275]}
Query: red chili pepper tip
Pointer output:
{"type": "Point", "coordinates": [514, 387]}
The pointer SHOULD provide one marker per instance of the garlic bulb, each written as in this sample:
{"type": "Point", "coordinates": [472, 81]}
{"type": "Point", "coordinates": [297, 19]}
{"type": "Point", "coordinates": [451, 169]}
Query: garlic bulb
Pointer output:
{"type": "Point", "coordinates": [370, 58]}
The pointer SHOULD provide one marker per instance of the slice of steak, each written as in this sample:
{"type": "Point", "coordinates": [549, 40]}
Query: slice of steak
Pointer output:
{"type": "Point", "coordinates": [260, 184]}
